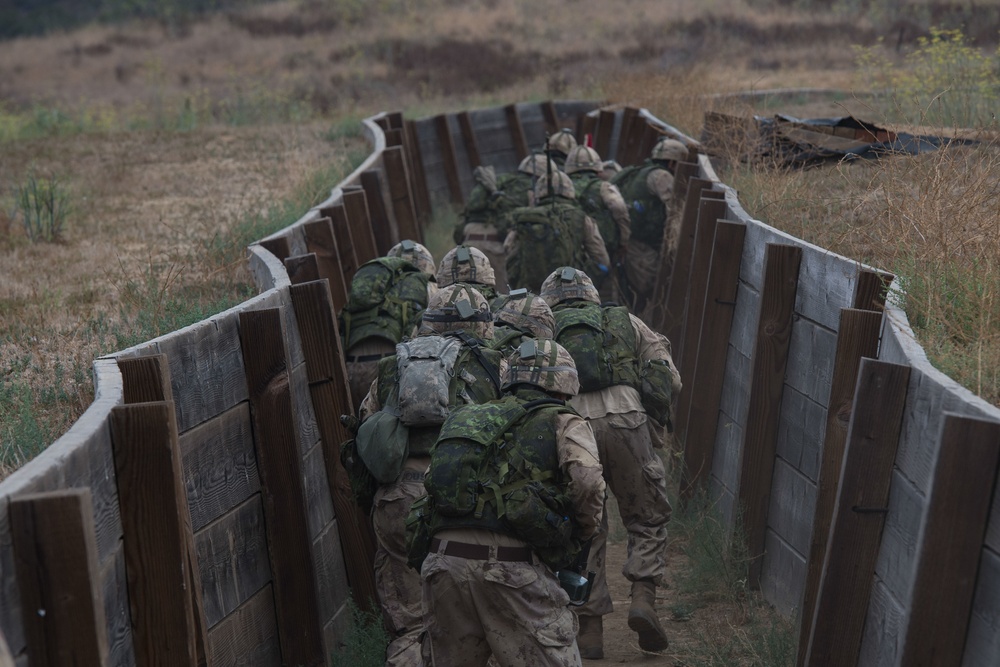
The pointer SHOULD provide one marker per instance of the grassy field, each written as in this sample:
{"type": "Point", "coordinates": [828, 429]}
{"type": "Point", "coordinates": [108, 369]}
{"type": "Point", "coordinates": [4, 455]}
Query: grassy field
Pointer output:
{"type": "Point", "coordinates": [138, 159]}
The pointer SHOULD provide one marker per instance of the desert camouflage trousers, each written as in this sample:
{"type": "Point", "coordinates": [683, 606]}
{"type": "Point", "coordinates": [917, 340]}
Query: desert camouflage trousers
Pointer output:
{"type": "Point", "coordinates": [398, 584]}
{"type": "Point", "coordinates": [634, 473]}
{"type": "Point", "coordinates": [514, 610]}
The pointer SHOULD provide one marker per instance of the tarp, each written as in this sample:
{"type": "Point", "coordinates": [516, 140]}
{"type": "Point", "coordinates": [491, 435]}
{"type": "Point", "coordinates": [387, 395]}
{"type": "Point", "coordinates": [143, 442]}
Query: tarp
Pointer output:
{"type": "Point", "coordinates": [787, 141]}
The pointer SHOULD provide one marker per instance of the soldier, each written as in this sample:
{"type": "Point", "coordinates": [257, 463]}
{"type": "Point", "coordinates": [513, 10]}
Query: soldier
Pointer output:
{"type": "Point", "coordinates": [491, 199]}
{"type": "Point", "coordinates": [554, 232]}
{"type": "Point", "coordinates": [445, 366]}
{"type": "Point", "coordinates": [604, 203]}
{"type": "Point", "coordinates": [518, 316]}
{"type": "Point", "coordinates": [559, 144]}
{"type": "Point", "coordinates": [622, 366]}
{"type": "Point", "coordinates": [468, 266]}
{"type": "Point", "coordinates": [488, 579]}
{"type": "Point", "coordinates": [387, 296]}
{"type": "Point", "coordinates": [648, 190]}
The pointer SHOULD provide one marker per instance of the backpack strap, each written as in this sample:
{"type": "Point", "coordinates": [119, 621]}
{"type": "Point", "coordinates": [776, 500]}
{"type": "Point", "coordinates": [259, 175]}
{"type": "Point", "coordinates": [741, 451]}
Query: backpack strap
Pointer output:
{"type": "Point", "coordinates": [473, 345]}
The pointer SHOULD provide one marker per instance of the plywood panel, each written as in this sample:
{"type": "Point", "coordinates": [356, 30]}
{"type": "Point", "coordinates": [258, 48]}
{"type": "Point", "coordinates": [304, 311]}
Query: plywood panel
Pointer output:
{"type": "Point", "coordinates": [249, 636]}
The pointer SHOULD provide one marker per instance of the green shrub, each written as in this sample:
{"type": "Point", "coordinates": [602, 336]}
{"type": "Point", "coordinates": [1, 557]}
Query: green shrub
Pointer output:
{"type": "Point", "coordinates": [365, 641]}
{"type": "Point", "coordinates": [43, 205]}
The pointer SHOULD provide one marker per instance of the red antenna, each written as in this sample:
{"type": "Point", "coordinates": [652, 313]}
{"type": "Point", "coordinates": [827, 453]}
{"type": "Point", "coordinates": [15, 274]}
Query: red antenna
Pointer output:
{"type": "Point", "coordinates": [588, 140]}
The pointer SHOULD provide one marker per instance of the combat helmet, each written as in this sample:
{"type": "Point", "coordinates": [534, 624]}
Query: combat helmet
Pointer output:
{"type": "Point", "coordinates": [583, 158]}
{"type": "Point", "coordinates": [562, 141]}
{"type": "Point", "coordinates": [567, 283]}
{"type": "Point", "coordinates": [415, 253]}
{"type": "Point", "coordinates": [465, 264]}
{"type": "Point", "coordinates": [535, 164]}
{"type": "Point", "coordinates": [562, 186]}
{"type": "Point", "coordinates": [545, 364]}
{"type": "Point", "coordinates": [669, 149]}
{"type": "Point", "coordinates": [457, 308]}
{"type": "Point", "coordinates": [526, 312]}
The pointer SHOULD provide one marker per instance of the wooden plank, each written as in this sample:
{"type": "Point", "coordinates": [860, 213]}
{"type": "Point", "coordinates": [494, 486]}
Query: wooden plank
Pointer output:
{"type": "Point", "coordinates": [774, 328]}
{"type": "Point", "coordinates": [248, 637]}
{"type": "Point", "coordinates": [345, 242]}
{"type": "Point", "coordinates": [395, 120]}
{"type": "Point", "coordinates": [517, 138]}
{"type": "Point", "coordinates": [705, 386]}
{"type": "Point", "coordinates": [279, 462]}
{"type": "Point", "coordinates": [302, 268]}
{"type": "Point", "coordinates": [322, 242]}
{"type": "Point", "coordinates": [625, 154]}
{"type": "Point", "coordinates": [331, 397]}
{"type": "Point", "coordinates": [551, 117]}
{"type": "Point", "coordinates": [869, 293]}
{"type": "Point", "coordinates": [447, 147]}
{"type": "Point", "coordinates": [356, 208]}
{"type": "Point", "coordinates": [393, 138]}
{"type": "Point", "coordinates": [145, 379]}
{"type": "Point", "coordinates": [232, 555]}
{"type": "Point", "coordinates": [857, 337]}
{"type": "Point", "coordinates": [672, 322]}
{"type": "Point", "coordinates": [834, 632]}
{"type": "Point", "coordinates": [605, 128]}
{"type": "Point", "coordinates": [401, 195]}
{"type": "Point", "coordinates": [586, 128]}
{"type": "Point", "coordinates": [382, 228]}
{"type": "Point", "coordinates": [157, 547]}
{"type": "Point", "coordinates": [469, 138]}
{"type": "Point", "coordinates": [418, 177]}
{"type": "Point", "coordinates": [687, 346]}
{"type": "Point", "coordinates": [278, 246]}
{"type": "Point", "coordinates": [650, 135]}
{"type": "Point", "coordinates": [55, 554]}
{"type": "Point", "coordinates": [951, 541]}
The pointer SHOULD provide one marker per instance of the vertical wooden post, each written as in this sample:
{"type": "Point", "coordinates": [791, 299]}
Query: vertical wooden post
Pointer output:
{"type": "Point", "coordinates": [321, 241]}
{"type": "Point", "coordinates": [277, 246]}
{"type": "Point", "coordinates": [705, 387]}
{"type": "Point", "coordinates": [302, 268]}
{"type": "Point", "coordinates": [672, 323]}
{"type": "Point", "coordinates": [605, 126]}
{"type": "Point", "coordinates": [393, 138]}
{"type": "Point", "coordinates": [345, 243]}
{"type": "Point", "coordinates": [951, 541]}
{"type": "Point", "coordinates": [356, 208]}
{"type": "Point", "coordinates": [687, 346]}
{"type": "Point", "coordinates": [517, 132]}
{"type": "Point", "coordinates": [279, 462]}
{"type": "Point", "coordinates": [550, 116]}
{"type": "Point", "coordinates": [382, 228]}
{"type": "Point", "coordinates": [469, 137]}
{"type": "Point", "coordinates": [658, 305]}
{"type": "Point", "coordinates": [774, 333]}
{"type": "Point", "coordinates": [588, 125]}
{"type": "Point", "coordinates": [833, 635]}
{"type": "Point", "coordinates": [331, 398]}
{"type": "Point", "coordinates": [417, 175]}
{"type": "Point", "coordinates": [869, 293]}
{"type": "Point", "coordinates": [401, 195]}
{"type": "Point", "coordinates": [147, 380]}
{"type": "Point", "coordinates": [857, 337]}
{"type": "Point", "coordinates": [450, 165]}
{"type": "Point", "coordinates": [157, 550]}
{"type": "Point", "coordinates": [55, 557]}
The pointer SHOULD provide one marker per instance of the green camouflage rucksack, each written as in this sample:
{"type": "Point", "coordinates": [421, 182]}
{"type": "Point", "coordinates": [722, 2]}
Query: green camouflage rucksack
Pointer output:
{"type": "Point", "coordinates": [588, 195]}
{"type": "Point", "coordinates": [495, 466]}
{"type": "Point", "coordinates": [602, 342]}
{"type": "Point", "coordinates": [549, 235]}
{"type": "Point", "coordinates": [491, 198]}
{"type": "Point", "coordinates": [646, 210]}
{"type": "Point", "coordinates": [388, 294]}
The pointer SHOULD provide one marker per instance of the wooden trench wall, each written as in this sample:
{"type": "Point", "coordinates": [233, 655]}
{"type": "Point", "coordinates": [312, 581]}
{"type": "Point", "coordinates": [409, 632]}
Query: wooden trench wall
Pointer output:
{"type": "Point", "coordinates": [197, 512]}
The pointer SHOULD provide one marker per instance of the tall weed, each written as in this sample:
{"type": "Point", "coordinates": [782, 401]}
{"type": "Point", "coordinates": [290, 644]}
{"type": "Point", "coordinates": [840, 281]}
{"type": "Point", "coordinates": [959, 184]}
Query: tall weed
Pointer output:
{"type": "Point", "coordinates": [43, 205]}
{"type": "Point", "coordinates": [364, 643]}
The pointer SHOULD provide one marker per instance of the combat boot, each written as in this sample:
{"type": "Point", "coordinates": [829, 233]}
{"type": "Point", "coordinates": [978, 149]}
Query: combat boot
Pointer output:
{"type": "Point", "coordinates": [642, 617]}
{"type": "Point", "coordinates": [590, 639]}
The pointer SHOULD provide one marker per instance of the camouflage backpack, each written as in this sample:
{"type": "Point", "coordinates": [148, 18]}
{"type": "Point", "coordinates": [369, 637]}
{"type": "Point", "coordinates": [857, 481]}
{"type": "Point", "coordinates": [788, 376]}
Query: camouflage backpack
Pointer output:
{"type": "Point", "coordinates": [602, 341]}
{"type": "Point", "coordinates": [646, 210]}
{"type": "Point", "coordinates": [495, 466]}
{"type": "Point", "coordinates": [588, 194]}
{"type": "Point", "coordinates": [548, 236]}
{"type": "Point", "coordinates": [388, 294]}
{"type": "Point", "coordinates": [491, 198]}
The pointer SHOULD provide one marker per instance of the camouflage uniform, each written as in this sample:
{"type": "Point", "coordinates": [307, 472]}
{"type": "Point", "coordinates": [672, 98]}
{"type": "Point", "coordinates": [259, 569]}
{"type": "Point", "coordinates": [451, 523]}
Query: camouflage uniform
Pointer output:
{"type": "Point", "coordinates": [633, 470]}
{"type": "Point", "coordinates": [586, 245]}
{"type": "Point", "coordinates": [486, 592]}
{"type": "Point", "coordinates": [367, 338]}
{"type": "Point", "coordinates": [649, 194]}
{"type": "Point", "coordinates": [398, 585]}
